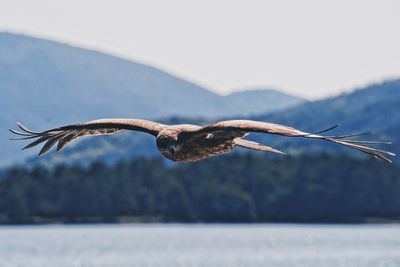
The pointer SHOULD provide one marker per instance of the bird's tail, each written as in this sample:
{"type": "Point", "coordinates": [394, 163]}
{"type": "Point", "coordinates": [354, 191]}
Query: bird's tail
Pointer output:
{"type": "Point", "coordinates": [256, 146]}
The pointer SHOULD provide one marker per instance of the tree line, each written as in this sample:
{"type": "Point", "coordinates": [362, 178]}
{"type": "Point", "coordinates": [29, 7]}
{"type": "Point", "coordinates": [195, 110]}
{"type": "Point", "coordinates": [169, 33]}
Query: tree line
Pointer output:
{"type": "Point", "coordinates": [231, 188]}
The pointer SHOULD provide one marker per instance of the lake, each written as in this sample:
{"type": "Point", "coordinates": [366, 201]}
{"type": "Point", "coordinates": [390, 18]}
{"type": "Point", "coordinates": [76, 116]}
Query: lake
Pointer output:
{"type": "Point", "coordinates": [200, 245]}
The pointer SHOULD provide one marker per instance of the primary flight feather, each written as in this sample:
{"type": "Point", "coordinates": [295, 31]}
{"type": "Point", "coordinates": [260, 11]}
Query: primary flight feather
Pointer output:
{"type": "Point", "coordinates": [186, 142]}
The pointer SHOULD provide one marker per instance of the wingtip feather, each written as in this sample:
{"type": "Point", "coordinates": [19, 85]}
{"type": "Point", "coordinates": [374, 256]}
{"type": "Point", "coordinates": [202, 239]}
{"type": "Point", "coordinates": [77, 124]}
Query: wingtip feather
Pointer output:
{"type": "Point", "coordinates": [25, 129]}
{"type": "Point", "coordinates": [26, 147]}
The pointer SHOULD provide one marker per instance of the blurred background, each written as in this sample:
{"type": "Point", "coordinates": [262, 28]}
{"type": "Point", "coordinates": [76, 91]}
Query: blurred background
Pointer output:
{"type": "Point", "coordinates": [309, 64]}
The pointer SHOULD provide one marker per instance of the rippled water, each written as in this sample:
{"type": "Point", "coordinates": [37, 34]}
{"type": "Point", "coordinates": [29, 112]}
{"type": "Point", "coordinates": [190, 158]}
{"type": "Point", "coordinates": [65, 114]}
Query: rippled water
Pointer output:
{"type": "Point", "coordinates": [219, 245]}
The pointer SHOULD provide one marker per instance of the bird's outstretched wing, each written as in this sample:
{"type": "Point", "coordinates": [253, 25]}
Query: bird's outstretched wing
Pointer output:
{"type": "Point", "coordinates": [248, 126]}
{"type": "Point", "coordinates": [65, 134]}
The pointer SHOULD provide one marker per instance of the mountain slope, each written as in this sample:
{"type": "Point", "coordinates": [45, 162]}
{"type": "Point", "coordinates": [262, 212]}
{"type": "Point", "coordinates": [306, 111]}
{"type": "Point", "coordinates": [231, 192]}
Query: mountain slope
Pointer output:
{"type": "Point", "coordinates": [45, 84]}
{"type": "Point", "coordinates": [372, 109]}
{"type": "Point", "coordinates": [375, 108]}
{"type": "Point", "coordinates": [255, 101]}
{"type": "Point", "coordinates": [46, 74]}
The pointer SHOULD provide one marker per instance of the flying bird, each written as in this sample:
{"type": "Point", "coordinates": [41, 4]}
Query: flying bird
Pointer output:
{"type": "Point", "coordinates": [187, 142]}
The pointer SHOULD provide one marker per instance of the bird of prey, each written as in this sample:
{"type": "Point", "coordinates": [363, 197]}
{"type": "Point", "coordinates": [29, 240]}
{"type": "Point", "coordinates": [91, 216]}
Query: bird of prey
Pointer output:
{"type": "Point", "coordinates": [186, 142]}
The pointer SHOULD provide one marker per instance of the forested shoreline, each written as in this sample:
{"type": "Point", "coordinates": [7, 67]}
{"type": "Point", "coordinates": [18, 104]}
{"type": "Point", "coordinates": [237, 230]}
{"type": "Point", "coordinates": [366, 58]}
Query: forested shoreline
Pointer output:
{"type": "Point", "coordinates": [232, 188]}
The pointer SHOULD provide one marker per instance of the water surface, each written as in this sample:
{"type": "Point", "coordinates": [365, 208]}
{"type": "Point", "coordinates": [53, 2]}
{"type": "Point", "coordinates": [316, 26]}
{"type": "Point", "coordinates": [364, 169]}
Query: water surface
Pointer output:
{"type": "Point", "coordinates": [200, 245]}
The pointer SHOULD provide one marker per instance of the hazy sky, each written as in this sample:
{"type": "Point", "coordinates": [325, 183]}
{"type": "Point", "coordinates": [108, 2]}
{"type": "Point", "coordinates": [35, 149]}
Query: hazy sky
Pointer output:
{"type": "Point", "coordinates": [311, 48]}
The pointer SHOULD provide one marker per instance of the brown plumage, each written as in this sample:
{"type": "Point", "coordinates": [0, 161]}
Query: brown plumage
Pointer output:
{"type": "Point", "coordinates": [185, 142]}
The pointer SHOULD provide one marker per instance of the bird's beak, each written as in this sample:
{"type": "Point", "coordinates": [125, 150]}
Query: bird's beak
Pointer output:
{"type": "Point", "coordinates": [172, 150]}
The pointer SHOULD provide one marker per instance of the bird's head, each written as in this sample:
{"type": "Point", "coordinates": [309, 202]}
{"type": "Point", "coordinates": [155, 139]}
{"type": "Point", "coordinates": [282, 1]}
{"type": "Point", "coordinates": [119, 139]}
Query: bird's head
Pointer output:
{"type": "Point", "coordinates": [167, 145]}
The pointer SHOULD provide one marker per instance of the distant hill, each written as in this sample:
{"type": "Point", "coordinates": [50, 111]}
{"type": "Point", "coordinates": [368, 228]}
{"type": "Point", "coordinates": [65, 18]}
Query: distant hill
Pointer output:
{"type": "Point", "coordinates": [45, 84]}
{"type": "Point", "coordinates": [252, 101]}
{"type": "Point", "coordinates": [374, 108]}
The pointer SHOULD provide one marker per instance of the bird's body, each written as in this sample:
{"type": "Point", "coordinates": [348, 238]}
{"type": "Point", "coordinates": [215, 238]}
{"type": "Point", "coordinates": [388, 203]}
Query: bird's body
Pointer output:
{"type": "Point", "coordinates": [178, 148]}
{"type": "Point", "coordinates": [186, 142]}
